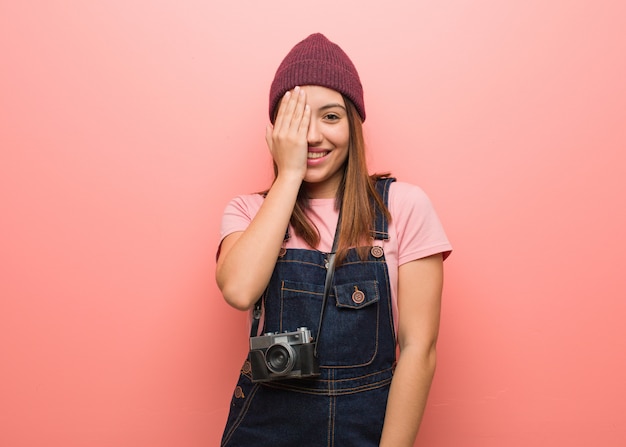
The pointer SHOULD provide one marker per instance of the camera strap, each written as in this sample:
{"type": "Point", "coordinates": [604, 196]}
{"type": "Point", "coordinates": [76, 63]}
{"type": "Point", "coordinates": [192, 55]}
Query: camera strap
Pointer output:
{"type": "Point", "coordinates": [256, 317]}
{"type": "Point", "coordinates": [330, 274]}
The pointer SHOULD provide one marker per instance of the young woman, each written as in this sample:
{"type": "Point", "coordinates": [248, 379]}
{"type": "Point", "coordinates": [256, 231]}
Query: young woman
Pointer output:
{"type": "Point", "coordinates": [324, 215]}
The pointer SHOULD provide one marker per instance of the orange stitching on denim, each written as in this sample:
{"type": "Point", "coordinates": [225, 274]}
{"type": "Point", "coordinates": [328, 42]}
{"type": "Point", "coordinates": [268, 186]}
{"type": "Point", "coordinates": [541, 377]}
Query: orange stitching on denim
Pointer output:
{"type": "Point", "coordinates": [333, 402]}
{"type": "Point", "coordinates": [280, 323]}
{"type": "Point", "coordinates": [332, 428]}
{"type": "Point", "coordinates": [307, 292]}
{"type": "Point", "coordinates": [283, 289]}
{"type": "Point", "coordinates": [368, 286]}
{"type": "Point", "coordinates": [330, 415]}
{"type": "Point", "coordinates": [392, 325]}
{"type": "Point", "coordinates": [335, 392]}
{"type": "Point", "coordinates": [290, 261]}
{"type": "Point", "coordinates": [240, 417]}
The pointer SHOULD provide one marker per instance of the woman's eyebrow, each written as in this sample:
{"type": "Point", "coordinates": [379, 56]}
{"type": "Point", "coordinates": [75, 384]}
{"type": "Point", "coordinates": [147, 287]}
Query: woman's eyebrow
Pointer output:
{"type": "Point", "coordinates": [331, 106]}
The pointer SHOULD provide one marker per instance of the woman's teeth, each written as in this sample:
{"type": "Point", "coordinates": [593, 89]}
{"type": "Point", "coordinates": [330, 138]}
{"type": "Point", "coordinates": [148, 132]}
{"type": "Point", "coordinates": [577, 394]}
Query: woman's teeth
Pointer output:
{"type": "Point", "coordinates": [313, 155]}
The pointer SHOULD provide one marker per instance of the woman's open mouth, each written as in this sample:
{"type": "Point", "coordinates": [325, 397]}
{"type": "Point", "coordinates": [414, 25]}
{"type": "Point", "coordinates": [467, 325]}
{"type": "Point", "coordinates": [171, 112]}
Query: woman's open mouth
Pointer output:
{"type": "Point", "coordinates": [316, 155]}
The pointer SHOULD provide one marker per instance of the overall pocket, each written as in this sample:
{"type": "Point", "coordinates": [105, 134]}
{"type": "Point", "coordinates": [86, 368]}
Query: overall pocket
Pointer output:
{"type": "Point", "coordinates": [350, 329]}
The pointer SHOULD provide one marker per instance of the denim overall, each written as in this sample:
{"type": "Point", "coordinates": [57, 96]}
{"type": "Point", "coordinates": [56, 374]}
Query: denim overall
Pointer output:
{"type": "Point", "coordinates": [345, 405]}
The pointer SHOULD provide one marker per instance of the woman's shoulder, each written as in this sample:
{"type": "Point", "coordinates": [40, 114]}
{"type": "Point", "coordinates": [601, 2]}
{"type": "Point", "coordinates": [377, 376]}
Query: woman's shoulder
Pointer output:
{"type": "Point", "coordinates": [247, 201]}
{"type": "Point", "coordinates": [403, 194]}
{"type": "Point", "coordinates": [244, 205]}
{"type": "Point", "coordinates": [417, 227]}
{"type": "Point", "coordinates": [239, 212]}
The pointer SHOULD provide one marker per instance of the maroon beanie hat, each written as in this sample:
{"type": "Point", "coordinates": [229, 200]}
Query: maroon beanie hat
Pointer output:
{"type": "Point", "coordinates": [317, 61]}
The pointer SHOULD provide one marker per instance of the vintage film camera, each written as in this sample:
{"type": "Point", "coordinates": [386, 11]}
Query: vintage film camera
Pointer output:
{"type": "Point", "coordinates": [287, 355]}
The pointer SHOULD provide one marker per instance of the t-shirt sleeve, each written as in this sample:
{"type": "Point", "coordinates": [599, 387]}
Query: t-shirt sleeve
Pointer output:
{"type": "Point", "coordinates": [419, 230]}
{"type": "Point", "coordinates": [239, 213]}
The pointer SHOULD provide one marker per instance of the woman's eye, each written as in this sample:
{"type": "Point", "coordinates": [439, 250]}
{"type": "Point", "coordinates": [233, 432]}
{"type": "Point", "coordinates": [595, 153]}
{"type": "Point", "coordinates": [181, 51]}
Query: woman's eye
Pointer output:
{"type": "Point", "coordinates": [331, 117]}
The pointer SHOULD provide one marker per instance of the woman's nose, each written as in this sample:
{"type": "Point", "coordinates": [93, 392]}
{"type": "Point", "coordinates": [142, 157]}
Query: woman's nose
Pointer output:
{"type": "Point", "coordinates": [314, 137]}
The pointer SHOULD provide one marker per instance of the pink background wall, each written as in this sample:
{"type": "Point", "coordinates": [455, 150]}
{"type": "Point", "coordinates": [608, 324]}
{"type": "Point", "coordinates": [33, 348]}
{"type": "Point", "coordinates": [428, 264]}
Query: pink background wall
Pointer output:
{"type": "Point", "coordinates": [126, 125]}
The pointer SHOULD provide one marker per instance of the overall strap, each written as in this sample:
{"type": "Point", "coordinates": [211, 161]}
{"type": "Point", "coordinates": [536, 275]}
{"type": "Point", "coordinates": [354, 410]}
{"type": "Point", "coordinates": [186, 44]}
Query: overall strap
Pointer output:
{"type": "Point", "coordinates": [381, 224]}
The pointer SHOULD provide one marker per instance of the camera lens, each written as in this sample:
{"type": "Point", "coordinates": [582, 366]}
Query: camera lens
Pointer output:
{"type": "Point", "coordinates": [280, 358]}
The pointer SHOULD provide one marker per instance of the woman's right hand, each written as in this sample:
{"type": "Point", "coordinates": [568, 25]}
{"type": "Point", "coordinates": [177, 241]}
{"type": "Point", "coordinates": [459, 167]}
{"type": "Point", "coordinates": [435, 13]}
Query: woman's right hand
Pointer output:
{"type": "Point", "coordinates": [287, 138]}
{"type": "Point", "coordinates": [247, 258]}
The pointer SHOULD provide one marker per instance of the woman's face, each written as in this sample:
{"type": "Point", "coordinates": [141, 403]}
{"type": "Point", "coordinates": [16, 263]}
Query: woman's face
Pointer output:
{"type": "Point", "coordinates": [328, 139]}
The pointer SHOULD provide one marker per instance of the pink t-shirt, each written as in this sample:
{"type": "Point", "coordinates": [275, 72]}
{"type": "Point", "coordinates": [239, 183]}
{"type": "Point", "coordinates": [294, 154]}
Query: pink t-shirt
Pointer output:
{"type": "Point", "coordinates": [414, 231]}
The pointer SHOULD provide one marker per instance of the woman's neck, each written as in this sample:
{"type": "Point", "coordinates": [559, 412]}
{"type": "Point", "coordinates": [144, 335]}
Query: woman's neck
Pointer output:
{"type": "Point", "coordinates": [324, 190]}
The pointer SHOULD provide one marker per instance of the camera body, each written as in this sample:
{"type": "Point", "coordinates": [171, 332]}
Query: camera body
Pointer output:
{"type": "Point", "coordinates": [287, 355]}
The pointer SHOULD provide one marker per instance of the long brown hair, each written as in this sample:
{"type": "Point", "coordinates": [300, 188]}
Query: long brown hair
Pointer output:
{"type": "Point", "coordinates": [356, 197]}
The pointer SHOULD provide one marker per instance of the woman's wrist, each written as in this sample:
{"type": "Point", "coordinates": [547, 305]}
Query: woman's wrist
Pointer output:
{"type": "Point", "coordinates": [289, 179]}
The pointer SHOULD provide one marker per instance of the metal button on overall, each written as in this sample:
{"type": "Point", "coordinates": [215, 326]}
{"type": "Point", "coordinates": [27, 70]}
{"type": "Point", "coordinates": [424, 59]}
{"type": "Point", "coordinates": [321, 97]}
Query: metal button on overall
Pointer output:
{"type": "Point", "coordinates": [239, 393]}
{"type": "Point", "coordinates": [377, 251]}
{"type": "Point", "coordinates": [246, 368]}
{"type": "Point", "coordinates": [358, 297]}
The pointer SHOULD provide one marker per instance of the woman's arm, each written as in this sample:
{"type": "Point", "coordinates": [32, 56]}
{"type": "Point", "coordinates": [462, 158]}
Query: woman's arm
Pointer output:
{"type": "Point", "coordinates": [419, 302]}
{"type": "Point", "coordinates": [247, 259]}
